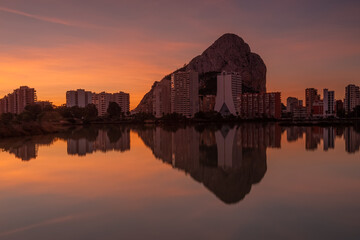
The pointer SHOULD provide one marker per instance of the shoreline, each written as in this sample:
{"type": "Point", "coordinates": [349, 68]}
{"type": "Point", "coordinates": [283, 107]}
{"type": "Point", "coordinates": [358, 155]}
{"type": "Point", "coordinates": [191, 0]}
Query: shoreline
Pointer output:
{"type": "Point", "coordinates": [43, 128]}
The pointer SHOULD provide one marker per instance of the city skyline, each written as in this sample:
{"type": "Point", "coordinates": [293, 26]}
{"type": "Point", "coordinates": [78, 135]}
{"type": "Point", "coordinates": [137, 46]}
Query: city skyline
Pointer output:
{"type": "Point", "coordinates": [53, 49]}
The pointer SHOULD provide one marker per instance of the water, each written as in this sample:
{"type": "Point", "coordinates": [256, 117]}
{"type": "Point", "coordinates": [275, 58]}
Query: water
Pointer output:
{"type": "Point", "coordinates": [252, 181]}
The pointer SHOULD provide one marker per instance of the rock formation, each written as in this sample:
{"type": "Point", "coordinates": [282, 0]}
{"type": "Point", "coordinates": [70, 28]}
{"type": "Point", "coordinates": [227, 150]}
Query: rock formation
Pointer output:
{"type": "Point", "coordinates": [228, 53]}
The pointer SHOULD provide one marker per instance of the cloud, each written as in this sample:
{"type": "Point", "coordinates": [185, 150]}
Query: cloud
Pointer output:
{"type": "Point", "coordinates": [47, 19]}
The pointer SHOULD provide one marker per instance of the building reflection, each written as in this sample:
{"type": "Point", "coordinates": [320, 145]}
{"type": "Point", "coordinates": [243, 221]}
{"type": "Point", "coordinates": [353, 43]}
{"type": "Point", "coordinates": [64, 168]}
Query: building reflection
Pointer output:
{"type": "Point", "coordinates": [204, 146]}
{"type": "Point", "coordinates": [112, 139]}
{"type": "Point", "coordinates": [352, 139]}
{"type": "Point", "coordinates": [227, 161]}
{"type": "Point", "coordinates": [315, 134]}
{"type": "Point", "coordinates": [80, 141]}
{"type": "Point", "coordinates": [25, 148]}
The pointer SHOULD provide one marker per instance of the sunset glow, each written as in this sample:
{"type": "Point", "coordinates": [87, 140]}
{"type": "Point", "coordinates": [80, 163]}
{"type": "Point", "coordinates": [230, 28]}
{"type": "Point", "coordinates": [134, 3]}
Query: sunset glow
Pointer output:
{"type": "Point", "coordinates": [121, 45]}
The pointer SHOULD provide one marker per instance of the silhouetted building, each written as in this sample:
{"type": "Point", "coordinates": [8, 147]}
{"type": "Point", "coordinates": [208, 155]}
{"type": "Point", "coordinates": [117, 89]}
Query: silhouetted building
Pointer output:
{"type": "Point", "coordinates": [339, 106]}
{"type": "Point", "coordinates": [103, 99]}
{"type": "Point", "coordinates": [352, 97]}
{"type": "Point", "coordinates": [78, 98]}
{"type": "Point", "coordinates": [123, 100]}
{"type": "Point", "coordinates": [185, 93]}
{"type": "Point", "coordinates": [161, 98]}
{"type": "Point", "coordinates": [207, 103]}
{"type": "Point", "coordinates": [17, 101]}
{"type": "Point", "coordinates": [329, 103]}
{"type": "Point", "coordinates": [299, 112]}
{"type": "Point", "coordinates": [259, 105]}
{"type": "Point", "coordinates": [311, 95]}
{"type": "Point", "coordinates": [317, 108]}
{"type": "Point", "coordinates": [291, 104]}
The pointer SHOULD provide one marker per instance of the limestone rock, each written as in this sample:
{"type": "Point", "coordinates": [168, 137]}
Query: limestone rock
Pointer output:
{"type": "Point", "coordinates": [228, 53]}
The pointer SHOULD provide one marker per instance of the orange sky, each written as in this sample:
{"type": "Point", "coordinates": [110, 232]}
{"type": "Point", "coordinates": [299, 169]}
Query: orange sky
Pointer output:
{"type": "Point", "coordinates": [126, 46]}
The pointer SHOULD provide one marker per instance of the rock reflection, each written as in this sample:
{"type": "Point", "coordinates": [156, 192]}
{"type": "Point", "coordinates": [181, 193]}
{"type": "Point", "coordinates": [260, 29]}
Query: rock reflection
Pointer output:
{"type": "Point", "coordinates": [227, 161]}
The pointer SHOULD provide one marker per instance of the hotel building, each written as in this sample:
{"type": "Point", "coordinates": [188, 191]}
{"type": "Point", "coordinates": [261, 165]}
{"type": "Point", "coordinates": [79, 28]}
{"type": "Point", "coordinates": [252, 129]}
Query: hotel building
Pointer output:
{"type": "Point", "coordinates": [185, 93]}
{"type": "Point", "coordinates": [229, 87]}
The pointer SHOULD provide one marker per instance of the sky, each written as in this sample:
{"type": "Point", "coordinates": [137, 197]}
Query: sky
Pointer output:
{"type": "Point", "coordinates": [126, 45]}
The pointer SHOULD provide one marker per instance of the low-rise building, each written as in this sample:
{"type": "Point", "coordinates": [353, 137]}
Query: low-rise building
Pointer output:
{"type": "Point", "coordinates": [207, 103]}
{"type": "Point", "coordinates": [259, 105]}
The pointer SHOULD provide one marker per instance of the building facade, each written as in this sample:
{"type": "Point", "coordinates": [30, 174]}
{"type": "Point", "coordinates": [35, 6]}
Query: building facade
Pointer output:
{"type": "Point", "coordinates": [207, 103]}
{"type": "Point", "coordinates": [103, 99]}
{"type": "Point", "coordinates": [17, 101]}
{"type": "Point", "coordinates": [352, 97]}
{"type": "Point", "coordinates": [329, 103]}
{"type": "Point", "coordinates": [82, 98]}
{"type": "Point", "coordinates": [259, 105]}
{"type": "Point", "coordinates": [292, 103]}
{"type": "Point", "coordinates": [161, 98]}
{"type": "Point", "coordinates": [311, 95]}
{"type": "Point", "coordinates": [123, 100]}
{"type": "Point", "coordinates": [78, 98]}
{"type": "Point", "coordinates": [185, 93]}
{"type": "Point", "coordinates": [229, 87]}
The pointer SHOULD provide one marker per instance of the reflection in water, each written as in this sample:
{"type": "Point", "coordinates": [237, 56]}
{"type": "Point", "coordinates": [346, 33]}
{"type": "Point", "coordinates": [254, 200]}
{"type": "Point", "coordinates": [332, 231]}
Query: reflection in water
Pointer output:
{"type": "Point", "coordinates": [112, 139]}
{"type": "Point", "coordinates": [26, 148]}
{"type": "Point", "coordinates": [80, 141]}
{"type": "Point", "coordinates": [226, 160]}
{"type": "Point", "coordinates": [314, 134]}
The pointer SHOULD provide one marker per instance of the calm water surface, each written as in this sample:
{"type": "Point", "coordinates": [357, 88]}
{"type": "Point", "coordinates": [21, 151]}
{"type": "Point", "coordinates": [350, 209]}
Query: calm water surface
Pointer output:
{"type": "Point", "coordinates": [252, 181]}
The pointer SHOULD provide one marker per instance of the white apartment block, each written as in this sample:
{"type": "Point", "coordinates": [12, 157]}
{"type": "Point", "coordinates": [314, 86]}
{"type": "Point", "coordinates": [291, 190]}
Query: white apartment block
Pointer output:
{"type": "Point", "coordinates": [229, 87]}
{"type": "Point", "coordinates": [78, 98]}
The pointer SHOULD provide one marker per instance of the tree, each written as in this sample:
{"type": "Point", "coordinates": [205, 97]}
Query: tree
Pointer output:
{"type": "Point", "coordinates": [114, 110]}
{"type": "Point", "coordinates": [31, 112]}
{"type": "Point", "coordinates": [357, 111]}
{"type": "Point", "coordinates": [7, 117]}
{"type": "Point", "coordinates": [91, 111]}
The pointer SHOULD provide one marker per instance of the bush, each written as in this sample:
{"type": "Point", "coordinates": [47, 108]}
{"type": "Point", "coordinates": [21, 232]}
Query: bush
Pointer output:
{"type": "Point", "coordinates": [114, 110]}
{"type": "Point", "coordinates": [7, 118]}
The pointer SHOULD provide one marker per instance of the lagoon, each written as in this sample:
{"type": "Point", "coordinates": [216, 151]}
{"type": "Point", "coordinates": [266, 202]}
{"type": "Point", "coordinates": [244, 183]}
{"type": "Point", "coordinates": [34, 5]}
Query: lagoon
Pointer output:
{"type": "Point", "coordinates": [250, 181]}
